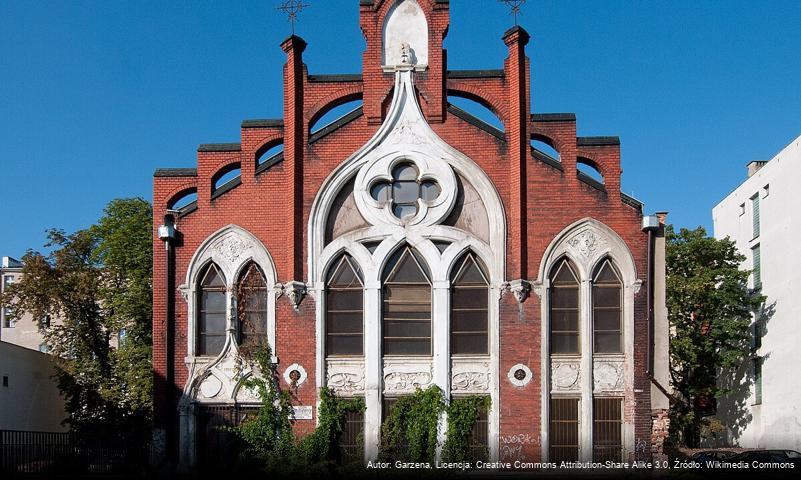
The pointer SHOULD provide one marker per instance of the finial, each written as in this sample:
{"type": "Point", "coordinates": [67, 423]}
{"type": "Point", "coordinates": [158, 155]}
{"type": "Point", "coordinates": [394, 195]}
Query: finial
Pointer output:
{"type": "Point", "coordinates": [514, 5]}
{"type": "Point", "coordinates": [291, 9]}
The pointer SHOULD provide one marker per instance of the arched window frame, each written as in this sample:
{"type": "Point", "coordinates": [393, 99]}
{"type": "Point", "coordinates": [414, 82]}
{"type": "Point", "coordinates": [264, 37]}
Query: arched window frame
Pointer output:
{"type": "Point", "coordinates": [597, 287]}
{"type": "Point", "coordinates": [479, 289]}
{"type": "Point", "coordinates": [246, 288]}
{"type": "Point", "coordinates": [357, 290]}
{"type": "Point", "coordinates": [231, 248]}
{"type": "Point", "coordinates": [557, 268]}
{"type": "Point", "coordinates": [416, 308]}
{"type": "Point", "coordinates": [204, 286]}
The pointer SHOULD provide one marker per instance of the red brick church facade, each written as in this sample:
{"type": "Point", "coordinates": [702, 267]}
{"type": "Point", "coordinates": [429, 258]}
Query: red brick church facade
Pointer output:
{"type": "Point", "coordinates": [411, 202]}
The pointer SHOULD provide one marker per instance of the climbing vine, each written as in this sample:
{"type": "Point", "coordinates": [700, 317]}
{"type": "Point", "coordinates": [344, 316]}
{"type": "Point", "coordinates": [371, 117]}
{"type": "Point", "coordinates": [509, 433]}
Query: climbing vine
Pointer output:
{"type": "Point", "coordinates": [462, 415]}
{"type": "Point", "coordinates": [270, 443]}
{"type": "Point", "coordinates": [410, 431]}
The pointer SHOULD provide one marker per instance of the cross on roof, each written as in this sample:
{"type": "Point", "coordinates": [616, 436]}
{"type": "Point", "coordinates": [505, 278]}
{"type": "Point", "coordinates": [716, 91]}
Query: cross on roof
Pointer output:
{"type": "Point", "coordinates": [291, 9]}
{"type": "Point", "coordinates": [514, 6]}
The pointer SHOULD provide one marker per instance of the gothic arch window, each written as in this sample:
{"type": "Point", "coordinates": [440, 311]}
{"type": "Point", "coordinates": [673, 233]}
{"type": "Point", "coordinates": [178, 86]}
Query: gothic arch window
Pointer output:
{"type": "Point", "coordinates": [607, 311]}
{"type": "Point", "coordinates": [211, 312]}
{"type": "Point", "coordinates": [564, 309]}
{"type": "Point", "coordinates": [252, 306]}
{"type": "Point", "coordinates": [469, 308]}
{"type": "Point", "coordinates": [405, 190]}
{"type": "Point", "coordinates": [344, 309]}
{"type": "Point", "coordinates": [406, 323]}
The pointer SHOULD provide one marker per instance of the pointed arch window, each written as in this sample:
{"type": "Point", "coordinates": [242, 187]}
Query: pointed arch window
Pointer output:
{"type": "Point", "coordinates": [607, 295]}
{"type": "Point", "coordinates": [344, 309]}
{"type": "Point", "coordinates": [406, 322]}
{"type": "Point", "coordinates": [211, 312]}
{"type": "Point", "coordinates": [469, 308]}
{"type": "Point", "coordinates": [564, 309]}
{"type": "Point", "coordinates": [252, 306]}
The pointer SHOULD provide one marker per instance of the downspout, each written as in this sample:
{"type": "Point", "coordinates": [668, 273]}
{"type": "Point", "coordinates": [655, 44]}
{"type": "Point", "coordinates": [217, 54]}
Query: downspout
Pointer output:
{"type": "Point", "coordinates": [650, 224]}
{"type": "Point", "coordinates": [167, 234]}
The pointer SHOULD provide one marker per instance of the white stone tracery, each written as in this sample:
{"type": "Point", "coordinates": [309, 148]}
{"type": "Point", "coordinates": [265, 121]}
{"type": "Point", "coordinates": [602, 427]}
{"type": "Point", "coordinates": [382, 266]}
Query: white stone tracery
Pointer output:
{"type": "Point", "coordinates": [405, 137]}
{"type": "Point", "coordinates": [219, 379]}
{"type": "Point", "coordinates": [587, 243]}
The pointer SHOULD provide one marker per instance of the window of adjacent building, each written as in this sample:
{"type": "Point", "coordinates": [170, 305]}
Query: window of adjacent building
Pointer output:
{"type": "Point", "coordinates": [351, 443]}
{"type": "Point", "coordinates": [755, 214]}
{"type": "Point", "coordinates": [756, 256]}
{"type": "Point", "coordinates": [563, 432]}
{"type": "Point", "coordinates": [606, 310]}
{"type": "Point", "coordinates": [469, 308]}
{"type": "Point", "coordinates": [407, 306]}
{"type": "Point", "coordinates": [742, 209]}
{"type": "Point", "coordinates": [404, 190]}
{"type": "Point", "coordinates": [607, 430]}
{"type": "Point", "coordinates": [564, 309]}
{"type": "Point", "coordinates": [757, 361]}
{"type": "Point", "coordinates": [252, 300]}
{"type": "Point", "coordinates": [43, 348]}
{"type": "Point", "coordinates": [44, 322]}
{"type": "Point", "coordinates": [211, 312]}
{"type": "Point", "coordinates": [765, 190]}
{"type": "Point", "coordinates": [8, 318]}
{"type": "Point", "coordinates": [344, 318]}
{"type": "Point", "coordinates": [7, 280]}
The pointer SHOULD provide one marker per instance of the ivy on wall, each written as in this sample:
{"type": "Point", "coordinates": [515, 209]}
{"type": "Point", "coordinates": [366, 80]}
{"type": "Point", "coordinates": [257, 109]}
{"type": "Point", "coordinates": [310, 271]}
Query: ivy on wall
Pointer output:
{"type": "Point", "coordinates": [462, 415]}
{"type": "Point", "coordinates": [409, 433]}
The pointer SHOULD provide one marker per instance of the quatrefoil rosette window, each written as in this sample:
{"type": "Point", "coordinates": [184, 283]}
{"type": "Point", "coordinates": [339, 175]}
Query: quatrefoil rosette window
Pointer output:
{"type": "Point", "coordinates": [406, 190]}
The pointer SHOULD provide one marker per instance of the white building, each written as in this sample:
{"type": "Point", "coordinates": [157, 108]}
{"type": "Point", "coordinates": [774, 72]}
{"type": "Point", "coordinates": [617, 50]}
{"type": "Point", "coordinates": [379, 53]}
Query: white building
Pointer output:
{"type": "Point", "coordinates": [20, 328]}
{"type": "Point", "coordinates": [763, 217]}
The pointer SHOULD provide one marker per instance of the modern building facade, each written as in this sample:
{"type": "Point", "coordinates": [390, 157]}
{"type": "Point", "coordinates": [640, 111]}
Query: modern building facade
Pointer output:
{"type": "Point", "coordinates": [762, 217]}
{"type": "Point", "coordinates": [29, 396]}
{"type": "Point", "coordinates": [409, 244]}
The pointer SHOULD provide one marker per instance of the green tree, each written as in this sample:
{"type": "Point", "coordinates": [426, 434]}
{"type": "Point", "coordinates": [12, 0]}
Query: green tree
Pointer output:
{"type": "Point", "coordinates": [98, 281]}
{"type": "Point", "coordinates": [710, 310]}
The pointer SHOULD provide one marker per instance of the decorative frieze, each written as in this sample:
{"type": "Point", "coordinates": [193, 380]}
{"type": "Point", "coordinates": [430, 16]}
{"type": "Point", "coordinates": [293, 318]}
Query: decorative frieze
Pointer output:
{"type": "Point", "coordinates": [470, 375]}
{"type": "Point", "coordinates": [565, 375]}
{"type": "Point", "coordinates": [405, 375]}
{"type": "Point", "coordinates": [607, 374]}
{"type": "Point", "coordinates": [345, 376]}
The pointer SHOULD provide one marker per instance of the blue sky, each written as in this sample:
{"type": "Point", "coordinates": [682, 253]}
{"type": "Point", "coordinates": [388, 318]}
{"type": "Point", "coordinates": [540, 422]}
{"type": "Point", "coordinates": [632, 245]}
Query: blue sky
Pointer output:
{"type": "Point", "coordinates": [95, 95]}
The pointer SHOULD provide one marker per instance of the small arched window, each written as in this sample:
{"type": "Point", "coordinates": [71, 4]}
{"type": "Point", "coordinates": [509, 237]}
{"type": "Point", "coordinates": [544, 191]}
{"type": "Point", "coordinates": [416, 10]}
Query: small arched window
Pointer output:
{"type": "Point", "coordinates": [564, 309]}
{"type": "Point", "coordinates": [252, 308]}
{"type": "Point", "coordinates": [607, 290]}
{"type": "Point", "coordinates": [404, 190]}
{"type": "Point", "coordinates": [344, 309]}
{"type": "Point", "coordinates": [211, 312]}
{"type": "Point", "coordinates": [469, 308]}
{"type": "Point", "coordinates": [406, 324]}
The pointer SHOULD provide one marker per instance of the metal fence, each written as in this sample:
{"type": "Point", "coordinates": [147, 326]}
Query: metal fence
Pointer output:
{"type": "Point", "coordinates": [23, 452]}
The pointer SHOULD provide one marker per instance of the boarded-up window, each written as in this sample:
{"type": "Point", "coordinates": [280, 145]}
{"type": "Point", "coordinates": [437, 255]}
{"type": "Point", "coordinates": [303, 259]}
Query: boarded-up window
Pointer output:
{"type": "Point", "coordinates": [606, 310]}
{"type": "Point", "coordinates": [407, 306]}
{"type": "Point", "coordinates": [252, 307]}
{"type": "Point", "coordinates": [563, 434]}
{"type": "Point", "coordinates": [607, 431]}
{"type": "Point", "coordinates": [564, 309]}
{"type": "Point", "coordinates": [211, 312]}
{"type": "Point", "coordinates": [344, 318]}
{"type": "Point", "coordinates": [469, 308]}
{"type": "Point", "coordinates": [351, 440]}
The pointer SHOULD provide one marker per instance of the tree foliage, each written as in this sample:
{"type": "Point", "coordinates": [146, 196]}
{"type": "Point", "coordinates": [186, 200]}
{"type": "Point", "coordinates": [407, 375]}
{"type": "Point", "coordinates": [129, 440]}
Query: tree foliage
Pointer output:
{"type": "Point", "coordinates": [97, 282]}
{"type": "Point", "coordinates": [710, 309]}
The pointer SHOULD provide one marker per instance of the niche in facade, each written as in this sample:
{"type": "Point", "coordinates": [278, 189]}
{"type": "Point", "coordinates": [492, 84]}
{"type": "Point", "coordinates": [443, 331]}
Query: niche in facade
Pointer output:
{"type": "Point", "coordinates": [405, 24]}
